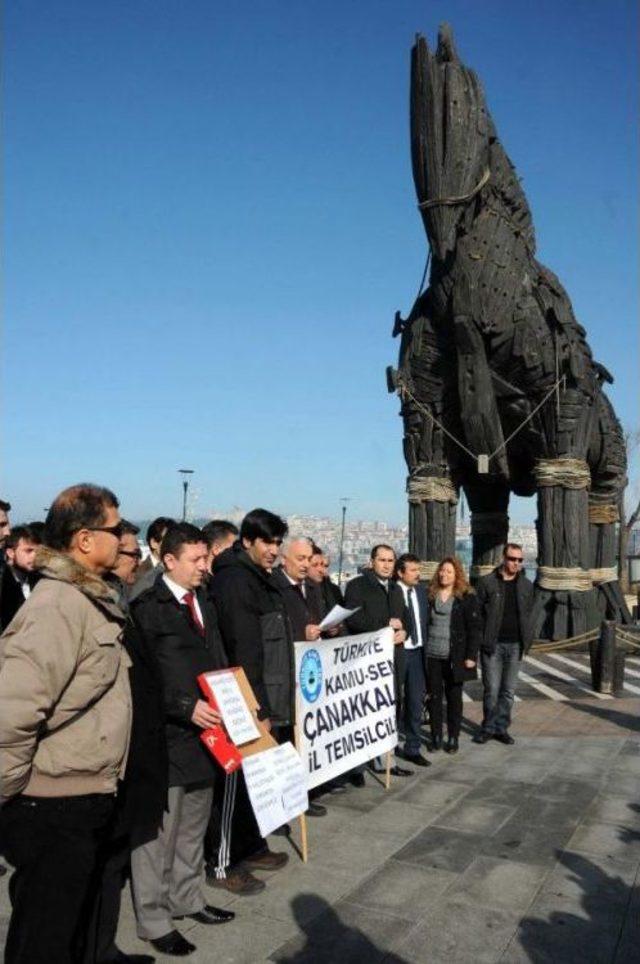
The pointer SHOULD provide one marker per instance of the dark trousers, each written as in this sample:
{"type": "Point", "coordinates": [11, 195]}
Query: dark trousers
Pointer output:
{"type": "Point", "coordinates": [439, 679]}
{"type": "Point", "coordinates": [413, 686]}
{"type": "Point", "coordinates": [56, 846]}
{"type": "Point", "coordinates": [232, 834]}
{"type": "Point", "coordinates": [499, 677]}
{"type": "Point", "coordinates": [103, 925]}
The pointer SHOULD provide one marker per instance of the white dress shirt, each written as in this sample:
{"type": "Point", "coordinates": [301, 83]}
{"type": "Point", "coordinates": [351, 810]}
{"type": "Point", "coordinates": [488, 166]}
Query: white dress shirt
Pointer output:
{"type": "Point", "coordinates": [179, 593]}
{"type": "Point", "coordinates": [410, 643]}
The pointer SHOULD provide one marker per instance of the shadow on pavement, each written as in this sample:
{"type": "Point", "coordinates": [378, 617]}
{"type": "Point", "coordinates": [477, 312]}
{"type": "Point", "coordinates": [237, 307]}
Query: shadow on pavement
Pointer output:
{"type": "Point", "coordinates": [603, 930]}
{"type": "Point", "coordinates": [628, 721]}
{"type": "Point", "coordinates": [327, 938]}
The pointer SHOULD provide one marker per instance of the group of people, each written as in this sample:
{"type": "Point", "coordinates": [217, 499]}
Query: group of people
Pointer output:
{"type": "Point", "coordinates": [103, 774]}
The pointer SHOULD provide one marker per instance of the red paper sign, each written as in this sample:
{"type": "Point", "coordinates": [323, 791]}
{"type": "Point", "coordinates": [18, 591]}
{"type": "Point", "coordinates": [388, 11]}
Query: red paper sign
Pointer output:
{"type": "Point", "coordinates": [215, 738]}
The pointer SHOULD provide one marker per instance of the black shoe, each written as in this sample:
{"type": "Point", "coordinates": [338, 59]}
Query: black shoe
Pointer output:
{"type": "Point", "coordinates": [316, 809]}
{"type": "Point", "coordinates": [482, 737]}
{"type": "Point", "coordinates": [436, 743]}
{"type": "Point", "coordinates": [283, 831]}
{"type": "Point", "coordinates": [397, 771]}
{"type": "Point", "coordinates": [210, 915]}
{"type": "Point", "coordinates": [119, 957]}
{"type": "Point", "coordinates": [452, 745]}
{"type": "Point", "coordinates": [504, 738]}
{"type": "Point", "coordinates": [416, 759]}
{"type": "Point", "coordinates": [174, 944]}
{"type": "Point", "coordinates": [357, 780]}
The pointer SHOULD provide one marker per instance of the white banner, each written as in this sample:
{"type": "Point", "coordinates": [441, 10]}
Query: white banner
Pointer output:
{"type": "Point", "coordinates": [275, 781]}
{"type": "Point", "coordinates": [345, 702]}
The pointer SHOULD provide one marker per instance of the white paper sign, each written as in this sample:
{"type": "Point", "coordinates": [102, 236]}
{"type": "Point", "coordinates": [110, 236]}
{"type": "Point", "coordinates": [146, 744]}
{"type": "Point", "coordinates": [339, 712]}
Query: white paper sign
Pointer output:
{"type": "Point", "coordinates": [277, 786]}
{"type": "Point", "coordinates": [337, 615]}
{"type": "Point", "coordinates": [236, 715]}
{"type": "Point", "coordinates": [345, 702]}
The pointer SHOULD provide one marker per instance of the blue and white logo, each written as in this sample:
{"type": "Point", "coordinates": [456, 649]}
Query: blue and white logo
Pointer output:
{"type": "Point", "coordinates": [311, 675]}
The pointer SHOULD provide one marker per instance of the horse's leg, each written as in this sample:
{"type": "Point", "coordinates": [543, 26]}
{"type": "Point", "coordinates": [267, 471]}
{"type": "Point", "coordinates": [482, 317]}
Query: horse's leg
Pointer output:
{"type": "Point", "coordinates": [607, 460]}
{"type": "Point", "coordinates": [566, 600]}
{"type": "Point", "coordinates": [489, 525]}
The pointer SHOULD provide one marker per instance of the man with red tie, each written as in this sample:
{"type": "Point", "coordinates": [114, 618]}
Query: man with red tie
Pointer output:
{"type": "Point", "coordinates": [179, 624]}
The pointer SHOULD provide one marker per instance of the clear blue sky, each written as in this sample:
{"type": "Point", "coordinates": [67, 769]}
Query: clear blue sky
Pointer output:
{"type": "Point", "coordinates": [210, 221]}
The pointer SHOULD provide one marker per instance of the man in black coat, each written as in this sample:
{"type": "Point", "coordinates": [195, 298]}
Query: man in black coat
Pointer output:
{"type": "Point", "coordinates": [177, 621]}
{"type": "Point", "coordinates": [318, 573]}
{"type": "Point", "coordinates": [411, 695]}
{"type": "Point", "coordinates": [18, 575]}
{"type": "Point", "coordinates": [380, 603]}
{"type": "Point", "coordinates": [255, 631]}
{"type": "Point", "coordinates": [302, 604]}
{"type": "Point", "coordinates": [141, 801]}
{"type": "Point", "coordinates": [505, 597]}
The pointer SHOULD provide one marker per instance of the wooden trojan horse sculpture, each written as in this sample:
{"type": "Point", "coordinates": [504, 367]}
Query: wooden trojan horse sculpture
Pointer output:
{"type": "Point", "coordinates": [500, 392]}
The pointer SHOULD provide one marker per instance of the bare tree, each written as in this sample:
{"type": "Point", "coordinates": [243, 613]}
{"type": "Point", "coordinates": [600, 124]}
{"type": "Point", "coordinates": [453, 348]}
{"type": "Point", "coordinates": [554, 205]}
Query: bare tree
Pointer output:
{"type": "Point", "coordinates": [629, 512]}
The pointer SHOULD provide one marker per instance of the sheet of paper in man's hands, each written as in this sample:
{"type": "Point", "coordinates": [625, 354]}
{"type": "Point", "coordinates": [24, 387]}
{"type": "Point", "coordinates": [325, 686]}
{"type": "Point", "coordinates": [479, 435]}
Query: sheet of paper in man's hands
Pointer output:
{"type": "Point", "coordinates": [236, 716]}
{"type": "Point", "coordinates": [337, 615]}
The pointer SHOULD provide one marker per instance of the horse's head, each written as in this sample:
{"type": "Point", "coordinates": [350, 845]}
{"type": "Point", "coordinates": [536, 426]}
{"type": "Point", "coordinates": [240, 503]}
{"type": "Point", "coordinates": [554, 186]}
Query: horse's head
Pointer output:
{"type": "Point", "coordinates": [450, 129]}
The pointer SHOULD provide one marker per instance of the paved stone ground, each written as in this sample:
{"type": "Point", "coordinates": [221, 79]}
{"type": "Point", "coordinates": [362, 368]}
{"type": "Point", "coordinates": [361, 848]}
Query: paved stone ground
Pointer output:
{"type": "Point", "coordinates": [510, 854]}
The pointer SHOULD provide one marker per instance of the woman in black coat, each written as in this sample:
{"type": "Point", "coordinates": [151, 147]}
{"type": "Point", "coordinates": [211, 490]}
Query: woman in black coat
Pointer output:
{"type": "Point", "coordinates": [451, 650]}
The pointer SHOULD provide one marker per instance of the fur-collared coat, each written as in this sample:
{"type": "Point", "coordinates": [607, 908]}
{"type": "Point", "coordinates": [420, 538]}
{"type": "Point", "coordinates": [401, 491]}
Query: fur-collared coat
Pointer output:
{"type": "Point", "coordinates": [65, 700]}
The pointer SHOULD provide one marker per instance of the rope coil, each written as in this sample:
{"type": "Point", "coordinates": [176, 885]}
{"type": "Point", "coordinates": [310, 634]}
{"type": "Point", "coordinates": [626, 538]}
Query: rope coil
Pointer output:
{"type": "Point", "coordinates": [431, 488]}
{"type": "Point", "coordinates": [478, 570]}
{"type": "Point", "coordinates": [564, 579]}
{"type": "Point", "coordinates": [601, 515]}
{"type": "Point", "coordinates": [599, 576]}
{"type": "Point", "coordinates": [567, 472]}
{"type": "Point", "coordinates": [428, 569]}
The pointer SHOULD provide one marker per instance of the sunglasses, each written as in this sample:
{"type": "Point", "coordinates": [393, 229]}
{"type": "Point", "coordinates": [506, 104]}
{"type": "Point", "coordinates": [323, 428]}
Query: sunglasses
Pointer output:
{"type": "Point", "coordinates": [117, 530]}
{"type": "Point", "coordinates": [132, 553]}
{"type": "Point", "coordinates": [514, 558]}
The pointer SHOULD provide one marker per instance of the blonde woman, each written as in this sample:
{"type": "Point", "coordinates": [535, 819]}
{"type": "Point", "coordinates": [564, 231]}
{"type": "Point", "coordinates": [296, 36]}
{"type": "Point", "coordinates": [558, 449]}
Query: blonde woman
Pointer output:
{"type": "Point", "coordinates": [453, 638]}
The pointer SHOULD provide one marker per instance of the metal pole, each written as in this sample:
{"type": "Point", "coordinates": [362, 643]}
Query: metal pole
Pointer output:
{"type": "Point", "coordinates": [344, 514]}
{"type": "Point", "coordinates": [185, 473]}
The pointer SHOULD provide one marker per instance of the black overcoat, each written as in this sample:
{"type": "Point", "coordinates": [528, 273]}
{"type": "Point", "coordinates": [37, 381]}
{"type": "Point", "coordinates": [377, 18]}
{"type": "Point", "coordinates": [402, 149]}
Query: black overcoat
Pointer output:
{"type": "Point", "coordinates": [465, 635]}
{"type": "Point", "coordinates": [182, 653]}
{"type": "Point", "coordinates": [255, 630]}
{"type": "Point", "coordinates": [302, 611]}
{"type": "Point", "coordinates": [142, 798]}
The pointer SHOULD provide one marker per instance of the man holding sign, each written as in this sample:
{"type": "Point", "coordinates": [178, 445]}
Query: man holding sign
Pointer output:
{"type": "Point", "coordinates": [379, 602]}
{"type": "Point", "coordinates": [179, 625]}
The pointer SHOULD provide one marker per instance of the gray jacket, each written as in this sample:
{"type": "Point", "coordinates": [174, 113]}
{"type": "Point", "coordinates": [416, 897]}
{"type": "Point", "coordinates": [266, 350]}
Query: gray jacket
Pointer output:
{"type": "Point", "coordinates": [490, 592]}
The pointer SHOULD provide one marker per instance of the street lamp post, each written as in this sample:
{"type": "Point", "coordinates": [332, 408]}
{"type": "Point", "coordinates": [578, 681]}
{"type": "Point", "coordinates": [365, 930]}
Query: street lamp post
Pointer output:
{"type": "Point", "coordinates": [185, 473]}
{"type": "Point", "coordinates": [344, 515]}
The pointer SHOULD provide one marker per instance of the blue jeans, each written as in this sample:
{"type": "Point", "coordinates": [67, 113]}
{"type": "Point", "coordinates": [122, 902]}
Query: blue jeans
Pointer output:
{"type": "Point", "coordinates": [499, 676]}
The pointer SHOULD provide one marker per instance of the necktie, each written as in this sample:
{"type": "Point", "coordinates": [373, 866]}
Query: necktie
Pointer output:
{"type": "Point", "coordinates": [189, 600]}
{"type": "Point", "coordinates": [413, 629]}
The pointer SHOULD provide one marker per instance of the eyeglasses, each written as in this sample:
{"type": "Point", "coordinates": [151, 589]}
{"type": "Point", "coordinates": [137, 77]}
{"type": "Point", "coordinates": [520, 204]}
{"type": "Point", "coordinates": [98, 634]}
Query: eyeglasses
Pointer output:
{"type": "Point", "coordinates": [515, 558]}
{"type": "Point", "coordinates": [132, 553]}
{"type": "Point", "coordinates": [117, 530]}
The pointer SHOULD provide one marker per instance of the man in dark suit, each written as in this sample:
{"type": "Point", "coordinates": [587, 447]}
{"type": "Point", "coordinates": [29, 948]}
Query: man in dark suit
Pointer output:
{"type": "Point", "coordinates": [380, 603]}
{"type": "Point", "coordinates": [18, 574]}
{"type": "Point", "coordinates": [302, 604]}
{"type": "Point", "coordinates": [411, 693]}
{"type": "Point", "coordinates": [179, 623]}
{"type": "Point", "coordinates": [318, 574]}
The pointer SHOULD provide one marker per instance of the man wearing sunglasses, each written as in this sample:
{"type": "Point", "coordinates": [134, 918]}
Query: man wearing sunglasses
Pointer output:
{"type": "Point", "coordinates": [65, 721]}
{"type": "Point", "coordinates": [506, 602]}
